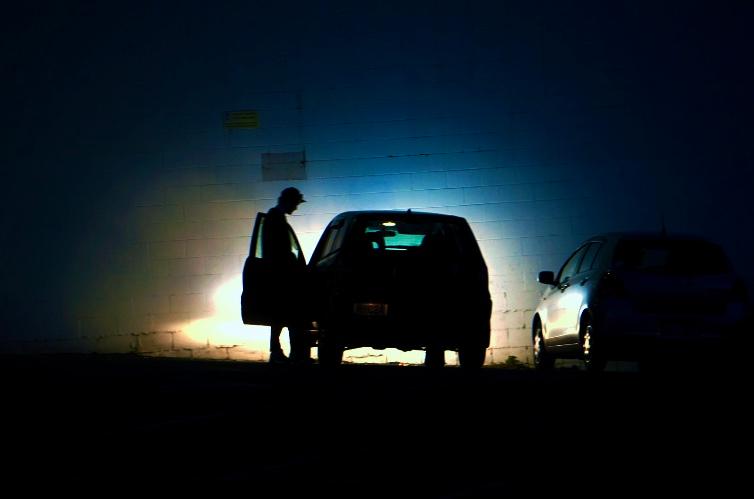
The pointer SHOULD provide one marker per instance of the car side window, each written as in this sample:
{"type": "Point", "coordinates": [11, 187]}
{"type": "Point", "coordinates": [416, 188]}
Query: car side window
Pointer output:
{"type": "Point", "coordinates": [590, 257]}
{"type": "Point", "coordinates": [334, 240]}
{"type": "Point", "coordinates": [572, 264]}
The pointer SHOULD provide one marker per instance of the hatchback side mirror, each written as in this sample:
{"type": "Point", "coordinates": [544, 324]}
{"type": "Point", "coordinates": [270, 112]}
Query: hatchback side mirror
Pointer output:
{"type": "Point", "coordinates": [546, 277]}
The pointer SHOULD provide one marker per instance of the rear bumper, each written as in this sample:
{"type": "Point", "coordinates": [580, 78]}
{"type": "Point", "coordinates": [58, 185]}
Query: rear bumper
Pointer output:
{"type": "Point", "coordinates": [402, 334]}
{"type": "Point", "coordinates": [410, 331]}
{"type": "Point", "coordinates": [638, 335]}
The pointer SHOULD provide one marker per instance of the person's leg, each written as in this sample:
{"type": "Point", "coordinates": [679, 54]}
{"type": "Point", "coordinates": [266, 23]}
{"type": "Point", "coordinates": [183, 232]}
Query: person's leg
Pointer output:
{"type": "Point", "coordinates": [276, 351]}
{"type": "Point", "coordinates": [301, 349]}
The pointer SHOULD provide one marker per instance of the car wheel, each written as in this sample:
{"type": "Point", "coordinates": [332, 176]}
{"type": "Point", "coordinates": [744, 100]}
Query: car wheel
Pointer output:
{"type": "Point", "coordinates": [593, 357]}
{"type": "Point", "coordinates": [329, 352]}
{"type": "Point", "coordinates": [434, 357]}
{"type": "Point", "coordinates": [542, 360]}
{"type": "Point", "coordinates": [472, 356]}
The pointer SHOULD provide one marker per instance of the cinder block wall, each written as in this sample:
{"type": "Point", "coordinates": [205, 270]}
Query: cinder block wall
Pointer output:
{"type": "Point", "coordinates": [527, 130]}
{"type": "Point", "coordinates": [188, 227]}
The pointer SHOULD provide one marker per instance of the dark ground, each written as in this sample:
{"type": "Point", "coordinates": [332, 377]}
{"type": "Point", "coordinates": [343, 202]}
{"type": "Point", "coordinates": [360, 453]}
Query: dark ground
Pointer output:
{"type": "Point", "coordinates": [114, 423]}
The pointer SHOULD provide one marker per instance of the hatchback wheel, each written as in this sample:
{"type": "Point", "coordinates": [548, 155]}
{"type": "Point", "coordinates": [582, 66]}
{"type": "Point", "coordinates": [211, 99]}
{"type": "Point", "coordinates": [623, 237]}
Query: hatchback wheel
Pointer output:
{"type": "Point", "coordinates": [542, 360]}
{"type": "Point", "coordinates": [329, 352]}
{"type": "Point", "coordinates": [434, 357]}
{"type": "Point", "coordinates": [472, 356]}
{"type": "Point", "coordinates": [594, 359]}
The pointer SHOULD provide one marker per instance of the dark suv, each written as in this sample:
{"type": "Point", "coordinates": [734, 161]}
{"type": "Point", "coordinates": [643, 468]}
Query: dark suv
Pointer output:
{"type": "Point", "coordinates": [405, 280]}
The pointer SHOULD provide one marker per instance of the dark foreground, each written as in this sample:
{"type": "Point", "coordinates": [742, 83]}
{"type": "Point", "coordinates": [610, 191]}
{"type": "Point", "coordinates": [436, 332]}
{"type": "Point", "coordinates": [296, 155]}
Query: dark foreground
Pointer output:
{"type": "Point", "coordinates": [113, 423]}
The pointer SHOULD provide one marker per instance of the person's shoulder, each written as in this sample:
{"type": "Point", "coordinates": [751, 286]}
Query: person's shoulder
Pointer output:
{"type": "Point", "coordinates": [275, 213]}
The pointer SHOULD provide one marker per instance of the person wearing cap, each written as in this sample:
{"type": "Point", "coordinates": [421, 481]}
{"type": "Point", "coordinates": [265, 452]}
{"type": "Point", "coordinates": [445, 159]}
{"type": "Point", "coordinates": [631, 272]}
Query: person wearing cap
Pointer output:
{"type": "Point", "coordinates": [289, 268]}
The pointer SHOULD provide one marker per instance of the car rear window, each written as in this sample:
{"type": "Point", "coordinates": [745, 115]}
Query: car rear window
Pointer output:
{"type": "Point", "coordinates": [676, 256]}
{"type": "Point", "coordinates": [395, 235]}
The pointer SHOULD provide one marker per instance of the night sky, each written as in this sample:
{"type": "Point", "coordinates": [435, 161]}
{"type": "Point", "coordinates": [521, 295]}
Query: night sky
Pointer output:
{"type": "Point", "coordinates": [97, 98]}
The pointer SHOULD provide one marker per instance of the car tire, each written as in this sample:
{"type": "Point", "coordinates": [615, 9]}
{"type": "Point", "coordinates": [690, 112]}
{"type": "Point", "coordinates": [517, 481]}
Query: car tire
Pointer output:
{"type": "Point", "coordinates": [542, 359]}
{"type": "Point", "coordinates": [329, 352]}
{"type": "Point", "coordinates": [434, 357]}
{"type": "Point", "coordinates": [591, 354]}
{"type": "Point", "coordinates": [472, 356]}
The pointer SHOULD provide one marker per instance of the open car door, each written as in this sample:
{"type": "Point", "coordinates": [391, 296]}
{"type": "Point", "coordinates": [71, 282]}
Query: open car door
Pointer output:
{"type": "Point", "coordinates": [256, 280]}
{"type": "Point", "coordinates": [261, 300]}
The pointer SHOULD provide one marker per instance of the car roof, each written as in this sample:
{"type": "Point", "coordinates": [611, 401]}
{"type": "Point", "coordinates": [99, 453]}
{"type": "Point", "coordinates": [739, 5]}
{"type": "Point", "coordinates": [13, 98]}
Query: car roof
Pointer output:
{"type": "Point", "coordinates": [395, 213]}
{"type": "Point", "coordinates": [645, 235]}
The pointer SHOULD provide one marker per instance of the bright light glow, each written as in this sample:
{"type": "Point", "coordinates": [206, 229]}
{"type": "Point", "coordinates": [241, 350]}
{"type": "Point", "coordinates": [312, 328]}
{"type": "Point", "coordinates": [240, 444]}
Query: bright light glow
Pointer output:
{"type": "Point", "coordinates": [392, 356]}
{"type": "Point", "coordinates": [388, 224]}
{"type": "Point", "coordinates": [225, 328]}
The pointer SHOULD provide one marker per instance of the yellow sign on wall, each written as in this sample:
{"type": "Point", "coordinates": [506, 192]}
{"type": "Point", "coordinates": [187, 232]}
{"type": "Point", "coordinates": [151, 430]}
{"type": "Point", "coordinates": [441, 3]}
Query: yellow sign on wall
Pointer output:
{"type": "Point", "coordinates": [241, 119]}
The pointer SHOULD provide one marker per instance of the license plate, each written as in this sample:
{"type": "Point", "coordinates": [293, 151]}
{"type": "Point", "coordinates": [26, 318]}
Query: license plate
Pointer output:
{"type": "Point", "coordinates": [370, 309]}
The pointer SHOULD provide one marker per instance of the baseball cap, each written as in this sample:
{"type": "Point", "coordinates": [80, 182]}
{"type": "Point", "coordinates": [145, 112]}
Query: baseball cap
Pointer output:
{"type": "Point", "coordinates": [292, 194]}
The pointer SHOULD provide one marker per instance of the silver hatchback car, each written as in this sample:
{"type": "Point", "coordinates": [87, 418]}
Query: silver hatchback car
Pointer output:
{"type": "Point", "coordinates": [637, 296]}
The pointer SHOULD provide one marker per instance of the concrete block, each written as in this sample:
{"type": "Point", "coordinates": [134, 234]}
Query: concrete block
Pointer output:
{"type": "Point", "coordinates": [157, 214]}
{"type": "Point", "coordinates": [210, 352]}
{"type": "Point", "coordinates": [228, 228]}
{"type": "Point", "coordinates": [503, 176]}
{"type": "Point", "coordinates": [557, 190]}
{"type": "Point", "coordinates": [186, 266]}
{"type": "Point", "coordinates": [153, 341]}
{"type": "Point", "coordinates": [515, 192]}
{"type": "Point", "coordinates": [237, 174]}
{"type": "Point", "coordinates": [167, 249]}
{"type": "Point", "coordinates": [480, 195]}
{"type": "Point", "coordinates": [476, 213]}
{"type": "Point", "coordinates": [227, 264]}
{"type": "Point", "coordinates": [188, 302]}
{"type": "Point", "coordinates": [540, 245]}
{"type": "Point", "coordinates": [519, 337]}
{"type": "Point", "coordinates": [183, 342]}
{"type": "Point", "coordinates": [464, 178]}
{"type": "Point", "coordinates": [182, 194]}
{"type": "Point", "coordinates": [201, 283]}
{"type": "Point", "coordinates": [443, 198]}
{"type": "Point", "coordinates": [198, 212]}
{"type": "Point", "coordinates": [415, 200]}
{"type": "Point", "coordinates": [377, 201]}
{"type": "Point", "coordinates": [152, 195]}
{"type": "Point", "coordinates": [223, 192]}
{"type": "Point", "coordinates": [120, 343]}
{"type": "Point", "coordinates": [499, 355]}
{"type": "Point", "coordinates": [379, 183]}
{"type": "Point", "coordinates": [94, 325]}
{"type": "Point", "coordinates": [225, 246]}
{"type": "Point", "coordinates": [146, 303]}
{"type": "Point", "coordinates": [233, 210]}
{"type": "Point", "coordinates": [178, 230]}
{"type": "Point", "coordinates": [430, 180]}
{"type": "Point", "coordinates": [192, 176]}
{"type": "Point", "coordinates": [171, 321]}
{"type": "Point", "coordinates": [523, 300]}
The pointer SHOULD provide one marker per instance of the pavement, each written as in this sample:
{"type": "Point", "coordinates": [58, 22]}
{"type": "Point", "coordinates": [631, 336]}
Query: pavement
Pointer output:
{"type": "Point", "coordinates": [126, 422]}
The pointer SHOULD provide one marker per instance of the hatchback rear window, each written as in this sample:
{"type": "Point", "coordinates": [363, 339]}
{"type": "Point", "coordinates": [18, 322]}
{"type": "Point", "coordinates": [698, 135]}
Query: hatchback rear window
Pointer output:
{"type": "Point", "coordinates": [674, 256]}
{"type": "Point", "coordinates": [404, 236]}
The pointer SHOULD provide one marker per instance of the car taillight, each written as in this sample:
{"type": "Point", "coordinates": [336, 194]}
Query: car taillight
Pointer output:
{"type": "Point", "coordinates": [739, 292]}
{"type": "Point", "coordinates": [612, 285]}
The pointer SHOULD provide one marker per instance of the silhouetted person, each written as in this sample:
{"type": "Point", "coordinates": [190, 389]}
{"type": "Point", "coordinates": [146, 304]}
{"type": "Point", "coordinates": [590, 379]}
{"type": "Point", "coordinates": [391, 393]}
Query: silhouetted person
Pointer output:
{"type": "Point", "coordinates": [281, 251]}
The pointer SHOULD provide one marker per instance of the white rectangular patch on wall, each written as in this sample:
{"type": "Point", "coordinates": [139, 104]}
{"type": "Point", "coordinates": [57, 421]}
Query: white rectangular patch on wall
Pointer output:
{"type": "Point", "coordinates": [283, 166]}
